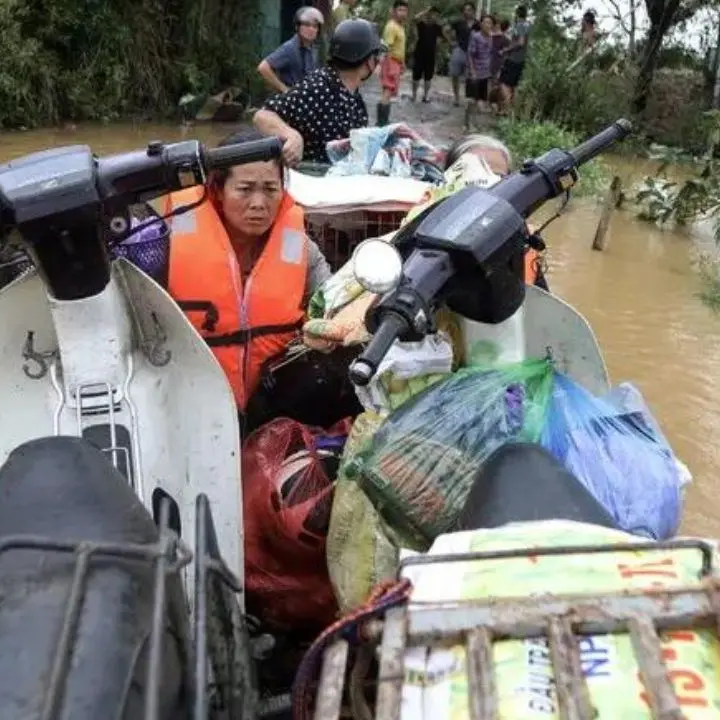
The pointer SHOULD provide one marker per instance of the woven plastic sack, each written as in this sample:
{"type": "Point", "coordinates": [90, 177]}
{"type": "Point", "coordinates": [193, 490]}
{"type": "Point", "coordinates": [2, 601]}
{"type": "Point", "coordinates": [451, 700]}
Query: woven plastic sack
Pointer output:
{"type": "Point", "coordinates": [359, 554]}
{"type": "Point", "coordinates": [288, 483]}
{"type": "Point", "coordinates": [148, 247]}
{"type": "Point", "coordinates": [436, 683]}
{"type": "Point", "coordinates": [619, 455]}
{"type": "Point", "coordinates": [420, 465]}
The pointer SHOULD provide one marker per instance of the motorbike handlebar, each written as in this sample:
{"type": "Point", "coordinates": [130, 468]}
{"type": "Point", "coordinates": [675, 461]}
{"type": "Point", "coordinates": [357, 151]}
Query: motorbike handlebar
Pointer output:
{"type": "Point", "coordinates": [70, 193]}
{"type": "Point", "coordinates": [525, 191]}
{"type": "Point", "coordinates": [221, 158]}
{"type": "Point", "coordinates": [596, 145]}
{"type": "Point", "coordinates": [160, 169]}
{"type": "Point", "coordinates": [363, 369]}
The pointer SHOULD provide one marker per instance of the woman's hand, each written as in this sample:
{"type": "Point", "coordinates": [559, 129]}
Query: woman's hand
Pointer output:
{"type": "Point", "coordinates": [346, 328]}
{"type": "Point", "coordinates": [293, 148]}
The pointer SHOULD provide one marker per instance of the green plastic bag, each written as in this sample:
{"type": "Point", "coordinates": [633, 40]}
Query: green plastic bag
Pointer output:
{"type": "Point", "coordinates": [419, 466]}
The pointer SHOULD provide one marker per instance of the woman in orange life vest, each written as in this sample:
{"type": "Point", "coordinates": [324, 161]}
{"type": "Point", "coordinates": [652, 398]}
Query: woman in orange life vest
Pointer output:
{"type": "Point", "coordinates": [499, 160]}
{"type": "Point", "coordinates": [242, 267]}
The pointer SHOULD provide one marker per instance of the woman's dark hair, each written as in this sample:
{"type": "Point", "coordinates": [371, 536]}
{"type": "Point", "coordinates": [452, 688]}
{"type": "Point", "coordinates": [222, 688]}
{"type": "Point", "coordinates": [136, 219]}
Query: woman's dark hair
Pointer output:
{"type": "Point", "coordinates": [504, 25]}
{"type": "Point", "coordinates": [400, 3]}
{"type": "Point", "coordinates": [486, 15]}
{"type": "Point", "coordinates": [218, 178]}
{"type": "Point", "coordinates": [521, 12]}
{"type": "Point", "coordinates": [589, 17]}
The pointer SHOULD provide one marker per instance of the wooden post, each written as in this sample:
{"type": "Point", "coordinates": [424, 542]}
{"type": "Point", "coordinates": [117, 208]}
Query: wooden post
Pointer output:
{"type": "Point", "coordinates": [612, 200]}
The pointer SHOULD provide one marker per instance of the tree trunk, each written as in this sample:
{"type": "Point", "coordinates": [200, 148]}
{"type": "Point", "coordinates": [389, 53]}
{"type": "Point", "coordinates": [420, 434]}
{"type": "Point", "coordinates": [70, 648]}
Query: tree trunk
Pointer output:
{"type": "Point", "coordinates": [632, 52]}
{"type": "Point", "coordinates": [716, 72]}
{"type": "Point", "coordinates": [662, 14]}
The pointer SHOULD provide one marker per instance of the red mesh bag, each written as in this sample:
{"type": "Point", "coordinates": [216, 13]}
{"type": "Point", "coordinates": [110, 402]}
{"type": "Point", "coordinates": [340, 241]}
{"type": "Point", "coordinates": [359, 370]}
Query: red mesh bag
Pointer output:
{"type": "Point", "coordinates": [289, 473]}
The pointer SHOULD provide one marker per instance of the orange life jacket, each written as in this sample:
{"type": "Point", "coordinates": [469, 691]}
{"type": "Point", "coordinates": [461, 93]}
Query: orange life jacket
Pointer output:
{"type": "Point", "coordinates": [244, 326]}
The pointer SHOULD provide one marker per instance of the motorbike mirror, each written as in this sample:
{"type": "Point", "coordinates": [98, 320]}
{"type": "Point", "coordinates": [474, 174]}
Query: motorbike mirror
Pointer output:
{"type": "Point", "coordinates": [377, 266]}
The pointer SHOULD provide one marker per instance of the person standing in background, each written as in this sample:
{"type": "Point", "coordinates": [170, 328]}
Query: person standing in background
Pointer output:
{"type": "Point", "coordinates": [393, 64]}
{"type": "Point", "coordinates": [327, 104]}
{"type": "Point", "coordinates": [515, 55]}
{"type": "Point", "coordinates": [587, 42]}
{"type": "Point", "coordinates": [479, 72]}
{"type": "Point", "coordinates": [293, 60]}
{"type": "Point", "coordinates": [588, 31]}
{"type": "Point", "coordinates": [500, 41]}
{"type": "Point", "coordinates": [458, 59]}
{"type": "Point", "coordinates": [429, 31]}
{"type": "Point", "coordinates": [344, 11]}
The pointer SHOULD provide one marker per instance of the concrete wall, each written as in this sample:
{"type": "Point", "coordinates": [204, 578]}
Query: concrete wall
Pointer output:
{"type": "Point", "coordinates": [271, 25]}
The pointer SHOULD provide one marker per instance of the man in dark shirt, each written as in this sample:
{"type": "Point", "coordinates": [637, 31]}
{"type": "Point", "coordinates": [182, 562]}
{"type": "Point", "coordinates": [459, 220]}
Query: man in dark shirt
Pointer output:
{"type": "Point", "coordinates": [515, 54]}
{"type": "Point", "coordinates": [293, 60]}
{"type": "Point", "coordinates": [500, 41]}
{"type": "Point", "coordinates": [327, 104]}
{"type": "Point", "coordinates": [429, 32]}
{"type": "Point", "coordinates": [458, 59]}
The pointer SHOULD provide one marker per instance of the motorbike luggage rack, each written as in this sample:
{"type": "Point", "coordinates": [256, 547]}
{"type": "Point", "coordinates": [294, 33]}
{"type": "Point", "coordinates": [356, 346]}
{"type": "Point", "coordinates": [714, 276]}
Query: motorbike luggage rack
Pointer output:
{"type": "Point", "coordinates": [210, 686]}
{"type": "Point", "coordinates": [561, 619]}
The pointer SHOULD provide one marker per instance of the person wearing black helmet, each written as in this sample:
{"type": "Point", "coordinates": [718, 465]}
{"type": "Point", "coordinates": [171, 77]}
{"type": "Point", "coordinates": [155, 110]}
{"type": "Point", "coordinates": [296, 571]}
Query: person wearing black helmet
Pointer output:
{"type": "Point", "coordinates": [293, 60]}
{"type": "Point", "coordinates": [327, 104]}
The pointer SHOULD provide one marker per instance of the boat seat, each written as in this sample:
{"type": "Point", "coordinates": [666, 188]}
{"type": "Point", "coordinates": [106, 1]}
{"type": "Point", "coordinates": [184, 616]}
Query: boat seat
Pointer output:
{"type": "Point", "coordinates": [520, 482]}
{"type": "Point", "coordinates": [62, 488]}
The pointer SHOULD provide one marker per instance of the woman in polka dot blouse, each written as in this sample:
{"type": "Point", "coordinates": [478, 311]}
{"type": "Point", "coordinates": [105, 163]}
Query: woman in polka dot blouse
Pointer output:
{"type": "Point", "coordinates": [327, 104]}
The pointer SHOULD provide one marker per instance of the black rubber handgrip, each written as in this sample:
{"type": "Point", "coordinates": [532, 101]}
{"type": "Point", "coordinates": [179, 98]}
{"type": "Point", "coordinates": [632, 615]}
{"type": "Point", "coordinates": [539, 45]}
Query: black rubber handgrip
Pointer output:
{"type": "Point", "coordinates": [365, 366]}
{"type": "Point", "coordinates": [602, 141]}
{"type": "Point", "coordinates": [227, 156]}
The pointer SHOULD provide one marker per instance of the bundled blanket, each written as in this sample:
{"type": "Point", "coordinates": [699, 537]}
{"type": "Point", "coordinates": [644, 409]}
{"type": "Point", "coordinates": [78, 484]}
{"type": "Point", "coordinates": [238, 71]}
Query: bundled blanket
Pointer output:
{"type": "Point", "coordinates": [395, 150]}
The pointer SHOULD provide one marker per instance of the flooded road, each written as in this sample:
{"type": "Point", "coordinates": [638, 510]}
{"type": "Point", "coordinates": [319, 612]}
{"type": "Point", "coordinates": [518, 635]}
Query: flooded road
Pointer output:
{"type": "Point", "coordinates": [640, 297]}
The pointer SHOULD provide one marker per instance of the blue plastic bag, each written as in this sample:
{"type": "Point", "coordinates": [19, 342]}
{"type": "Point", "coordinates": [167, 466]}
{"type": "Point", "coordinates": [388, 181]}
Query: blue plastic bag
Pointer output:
{"type": "Point", "coordinates": [619, 454]}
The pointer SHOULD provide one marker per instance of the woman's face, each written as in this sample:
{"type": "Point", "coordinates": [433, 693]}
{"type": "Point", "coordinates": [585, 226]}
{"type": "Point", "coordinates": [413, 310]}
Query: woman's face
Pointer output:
{"type": "Point", "coordinates": [251, 197]}
{"type": "Point", "coordinates": [495, 159]}
{"type": "Point", "coordinates": [309, 31]}
{"type": "Point", "coordinates": [486, 25]}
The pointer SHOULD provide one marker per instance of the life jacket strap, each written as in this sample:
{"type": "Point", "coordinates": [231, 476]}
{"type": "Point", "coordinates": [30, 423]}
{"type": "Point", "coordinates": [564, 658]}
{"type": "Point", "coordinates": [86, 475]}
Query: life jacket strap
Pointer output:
{"type": "Point", "coordinates": [243, 337]}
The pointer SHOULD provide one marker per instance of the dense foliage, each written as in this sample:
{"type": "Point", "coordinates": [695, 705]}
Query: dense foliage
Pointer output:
{"type": "Point", "coordinates": [588, 95]}
{"type": "Point", "coordinates": [531, 139]}
{"type": "Point", "coordinates": [100, 59]}
{"type": "Point", "coordinates": [664, 200]}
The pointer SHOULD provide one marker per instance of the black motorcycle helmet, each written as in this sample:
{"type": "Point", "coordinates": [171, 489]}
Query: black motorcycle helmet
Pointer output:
{"type": "Point", "coordinates": [354, 41]}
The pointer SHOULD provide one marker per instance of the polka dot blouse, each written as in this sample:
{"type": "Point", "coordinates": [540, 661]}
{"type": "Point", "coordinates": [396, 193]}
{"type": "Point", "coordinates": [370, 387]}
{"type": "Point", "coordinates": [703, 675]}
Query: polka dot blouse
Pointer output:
{"type": "Point", "coordinates": [321, 109]}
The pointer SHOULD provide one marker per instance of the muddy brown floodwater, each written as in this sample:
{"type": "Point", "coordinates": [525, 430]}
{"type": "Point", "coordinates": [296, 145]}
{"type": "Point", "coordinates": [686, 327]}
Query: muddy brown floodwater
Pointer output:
{"type": "Point", "coordinates": [640, 296]}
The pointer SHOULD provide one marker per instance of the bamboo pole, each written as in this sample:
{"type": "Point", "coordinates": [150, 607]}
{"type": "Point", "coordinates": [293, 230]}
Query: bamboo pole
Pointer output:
{"type": "Point", "coordinates": [612, 200]}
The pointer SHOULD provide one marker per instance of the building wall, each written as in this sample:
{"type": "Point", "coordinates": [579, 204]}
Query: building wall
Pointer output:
{"type": "Point", "coordinates": [270, 25]}
{"type": "Point", "coordinates": [287, 15]}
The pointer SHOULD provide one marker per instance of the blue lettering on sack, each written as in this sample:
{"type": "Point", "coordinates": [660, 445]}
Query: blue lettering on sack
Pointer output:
{"type": "Point", "coordinates": [595, 658]}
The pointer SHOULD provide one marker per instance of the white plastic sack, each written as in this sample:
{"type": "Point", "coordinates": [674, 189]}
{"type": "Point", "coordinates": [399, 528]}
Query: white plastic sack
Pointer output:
{"type": "Point", "coordinates": [432, 356]}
